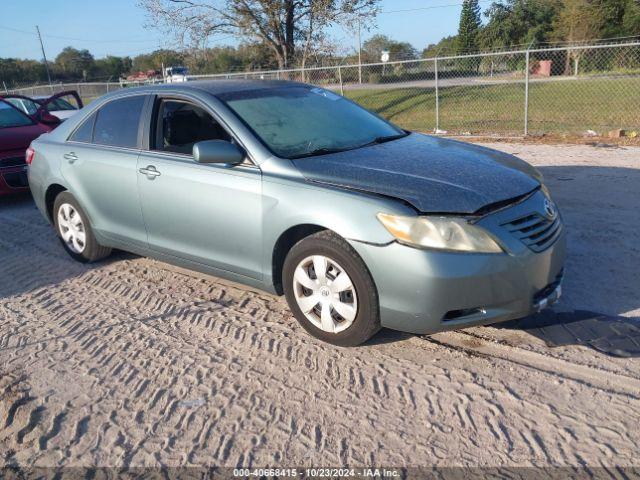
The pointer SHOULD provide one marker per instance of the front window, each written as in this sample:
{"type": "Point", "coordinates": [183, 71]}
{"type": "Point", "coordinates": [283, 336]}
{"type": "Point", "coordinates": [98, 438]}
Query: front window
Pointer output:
{"type": "Point", "coordinates": [180, 125]}
{"type": "Point", "coordinates": [300, 121]}
{"type": "Point", "coordinates": [12, 117]}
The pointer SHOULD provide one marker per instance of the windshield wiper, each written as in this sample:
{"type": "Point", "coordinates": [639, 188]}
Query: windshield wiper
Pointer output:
{"type": "Point", "coordinates": [320, 151]}
{"type": "Point", "coordinates": [327, 151]}
{"type": "Point", "coordinates": [385, 139]}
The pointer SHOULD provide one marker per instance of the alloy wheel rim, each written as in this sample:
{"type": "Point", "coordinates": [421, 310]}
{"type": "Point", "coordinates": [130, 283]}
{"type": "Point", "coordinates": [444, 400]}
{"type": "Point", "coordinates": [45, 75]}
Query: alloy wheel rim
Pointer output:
{"type": "Point", "coordinates": [325, 293]}
{"type": "Point", "coordinates": [71, 228]}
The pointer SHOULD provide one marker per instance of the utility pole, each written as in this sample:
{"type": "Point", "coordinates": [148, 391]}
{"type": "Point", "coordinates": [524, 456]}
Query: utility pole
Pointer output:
{"type": "Point", "coordinates": [44, 56]}
{"type": "Point", "coordinates": [359, 52]}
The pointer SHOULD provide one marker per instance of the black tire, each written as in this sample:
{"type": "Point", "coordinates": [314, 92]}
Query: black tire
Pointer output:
{"type": "Point", "coordinates": [367, 320]}
{"type": "Point", "coordinates": [92, 251]}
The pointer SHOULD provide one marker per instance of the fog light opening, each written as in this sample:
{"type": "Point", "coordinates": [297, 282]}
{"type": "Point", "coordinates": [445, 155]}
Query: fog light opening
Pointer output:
{"type": "Point", "coordinates": [458, 314]}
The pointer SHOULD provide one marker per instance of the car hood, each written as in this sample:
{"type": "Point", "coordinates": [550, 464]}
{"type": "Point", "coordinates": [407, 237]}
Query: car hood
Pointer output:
{"type": "Point", "coordinates": [432, 174]}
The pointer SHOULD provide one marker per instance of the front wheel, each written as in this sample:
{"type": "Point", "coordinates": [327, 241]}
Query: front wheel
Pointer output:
{"type": "Point", "coordinates": [74, 230]}
{"type": "Point", "coordinates": [330, 290]}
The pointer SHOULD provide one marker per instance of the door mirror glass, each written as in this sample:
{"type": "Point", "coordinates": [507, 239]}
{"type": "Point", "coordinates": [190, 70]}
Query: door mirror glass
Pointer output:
{"type": "Point", "coordinates": [217, 151]}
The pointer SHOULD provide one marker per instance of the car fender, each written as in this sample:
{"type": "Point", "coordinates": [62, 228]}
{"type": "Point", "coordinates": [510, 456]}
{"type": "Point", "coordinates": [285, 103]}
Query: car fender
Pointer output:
{"type": "Point", "coordinates": [349, 213]}
{"type": "Point", "coordinates": [43, 173]}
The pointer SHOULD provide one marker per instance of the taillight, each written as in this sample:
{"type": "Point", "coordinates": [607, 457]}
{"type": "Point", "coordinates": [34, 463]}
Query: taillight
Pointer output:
{"type": "Point", "coordinates": [29, 155]}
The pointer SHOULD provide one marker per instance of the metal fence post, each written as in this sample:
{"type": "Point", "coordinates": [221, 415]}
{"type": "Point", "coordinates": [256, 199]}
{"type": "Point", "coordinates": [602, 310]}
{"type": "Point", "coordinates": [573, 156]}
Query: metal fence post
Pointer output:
{"type": "Point", "coordinates": [526, 96]}
{"type": "Point", "coordinates": [435, 68]}
{"type": "Point", "coordinates": [340, 80]}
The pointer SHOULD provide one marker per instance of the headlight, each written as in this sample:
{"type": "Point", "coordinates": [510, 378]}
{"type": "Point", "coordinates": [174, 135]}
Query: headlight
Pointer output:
{"type": "Point", "coordinates": [442, 233]}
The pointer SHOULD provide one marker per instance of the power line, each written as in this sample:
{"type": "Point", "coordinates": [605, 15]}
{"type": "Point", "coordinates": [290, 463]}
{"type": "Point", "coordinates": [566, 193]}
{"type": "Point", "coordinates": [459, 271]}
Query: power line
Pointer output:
{"type": "Point", "coordinates": [75, 39]}
{"type": "Point", "coordinates": [15, 30]}
{"type": "Point", "coordinates": [89, 40]}
{"type": "Point", "coordinates": [431, 7]}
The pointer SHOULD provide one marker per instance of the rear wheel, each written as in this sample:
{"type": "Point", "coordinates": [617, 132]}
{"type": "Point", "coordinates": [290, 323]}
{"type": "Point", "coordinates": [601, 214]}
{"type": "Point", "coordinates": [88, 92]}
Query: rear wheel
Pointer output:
{"type": "Point", "coordinates": [74, 230]}
{"type": "Point", "coordinates": [330, 290]}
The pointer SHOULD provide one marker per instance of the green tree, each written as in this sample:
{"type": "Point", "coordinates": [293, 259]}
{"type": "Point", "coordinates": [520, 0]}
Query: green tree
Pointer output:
{"type": "Point", "coordinates": [619, 17]}
{"type": "Point", "coordinates": [519, 23]}
{"type": "Point", "coordinates": [74, 63]}
{"type": "Point", "coordinates": [16, 72]}
{"type": "Point", "coordinates": [631, 18]}
{"type": "Point", "coordinates": [470, 23]}
{"type": "Point", "coordinates": [111, 67]}
{"type": "Point", "coordinates": [155, 60]}
{"type": "Point", "coordinates": [578, 21]}
{"type": "Point", "coordinates": [372, 49]}
{"type": "Point", "coordinates": [446, 46]}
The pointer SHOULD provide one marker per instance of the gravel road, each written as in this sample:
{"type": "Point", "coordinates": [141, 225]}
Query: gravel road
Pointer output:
{"type": "Point", "coordinates": [131, 362]}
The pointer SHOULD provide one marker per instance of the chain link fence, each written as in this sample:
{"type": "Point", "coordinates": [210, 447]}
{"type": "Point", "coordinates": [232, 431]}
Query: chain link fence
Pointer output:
{"type": "Point", "coordinates": [560, 90]}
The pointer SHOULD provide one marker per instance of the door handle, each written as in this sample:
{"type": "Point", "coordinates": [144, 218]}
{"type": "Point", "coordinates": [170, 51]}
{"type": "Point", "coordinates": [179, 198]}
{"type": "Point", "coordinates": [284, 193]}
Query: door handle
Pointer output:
{"type": "Point", "coordinates": [150, 171]}
{"type": "Point", "coordinates": [70, 157]}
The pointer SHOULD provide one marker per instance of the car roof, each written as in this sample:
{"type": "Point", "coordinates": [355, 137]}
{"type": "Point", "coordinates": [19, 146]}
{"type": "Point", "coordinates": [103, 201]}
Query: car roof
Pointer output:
{"type": "Point", "coordinates": [218, 87]}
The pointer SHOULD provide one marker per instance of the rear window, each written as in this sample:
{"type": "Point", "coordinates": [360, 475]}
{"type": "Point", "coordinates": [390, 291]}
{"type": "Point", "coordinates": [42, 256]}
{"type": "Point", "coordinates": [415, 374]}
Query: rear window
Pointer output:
{"type": "Point", "coordinates": [117, 123]}
{"type": "Point", "coordinates": [11, 117]}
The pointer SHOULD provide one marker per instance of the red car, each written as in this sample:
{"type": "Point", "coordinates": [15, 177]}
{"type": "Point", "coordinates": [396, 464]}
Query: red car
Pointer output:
{"type": "Point", "coordinates": [17, 131]}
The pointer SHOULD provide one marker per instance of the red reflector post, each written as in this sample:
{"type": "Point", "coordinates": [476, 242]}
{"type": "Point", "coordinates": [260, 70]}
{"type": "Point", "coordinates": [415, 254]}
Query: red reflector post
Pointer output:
{"type": "Point", "coordinates": [30, 153]}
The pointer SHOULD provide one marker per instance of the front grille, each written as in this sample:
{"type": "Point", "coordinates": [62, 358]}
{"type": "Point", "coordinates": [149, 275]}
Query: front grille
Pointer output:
{"type": "Point", "coordinates": [12, 161]}
{"type": "Point", "coordinates": [535, 231]}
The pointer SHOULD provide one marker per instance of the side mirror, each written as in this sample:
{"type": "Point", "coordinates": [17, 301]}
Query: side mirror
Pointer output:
{"type": "Point", "coordinates": [218, 151]}
{"type": "Point", "coordinates": [48, 119]}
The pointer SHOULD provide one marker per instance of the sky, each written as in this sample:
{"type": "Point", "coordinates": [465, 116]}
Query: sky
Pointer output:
{"type": "Point", "coordinates": [117, 27]}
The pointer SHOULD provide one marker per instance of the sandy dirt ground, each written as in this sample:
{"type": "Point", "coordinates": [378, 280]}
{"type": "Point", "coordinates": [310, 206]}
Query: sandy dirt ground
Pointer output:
{"type": "Point", "coordinates": [131, 363]}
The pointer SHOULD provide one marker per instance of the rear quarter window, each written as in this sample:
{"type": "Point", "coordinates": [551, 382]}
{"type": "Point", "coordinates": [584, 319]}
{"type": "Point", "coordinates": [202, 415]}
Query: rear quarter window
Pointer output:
{"type": "Point", "coordinates": [84, 133]}
{"type": "Point", "coordinates": [117, 123]}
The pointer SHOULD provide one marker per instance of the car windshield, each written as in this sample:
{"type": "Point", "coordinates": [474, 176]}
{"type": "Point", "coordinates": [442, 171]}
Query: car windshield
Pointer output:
{"type": "Point", "coordinates": [302, 121]}
{"type": "Point", "coordinates": [12, 117]}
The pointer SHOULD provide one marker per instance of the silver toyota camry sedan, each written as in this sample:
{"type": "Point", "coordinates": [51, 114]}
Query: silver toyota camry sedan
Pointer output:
{"type": "Point", "coordinates": [295, 190]}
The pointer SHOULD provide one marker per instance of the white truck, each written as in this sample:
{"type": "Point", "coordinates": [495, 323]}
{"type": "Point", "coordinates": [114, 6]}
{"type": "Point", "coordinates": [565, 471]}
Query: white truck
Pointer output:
{"type": "Point", "coordinates": [175, 74]}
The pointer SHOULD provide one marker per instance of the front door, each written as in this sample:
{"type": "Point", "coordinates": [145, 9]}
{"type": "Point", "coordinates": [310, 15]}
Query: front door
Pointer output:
{"type": "Point", "coordinates": [205, 213]}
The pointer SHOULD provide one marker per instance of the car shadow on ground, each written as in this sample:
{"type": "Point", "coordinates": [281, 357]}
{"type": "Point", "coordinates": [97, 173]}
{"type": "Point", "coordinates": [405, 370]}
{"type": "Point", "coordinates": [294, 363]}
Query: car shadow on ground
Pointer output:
{"type": "Point", "coordinates": [29, 244]}
{"type": "Point", "coordinates": [614, 336]}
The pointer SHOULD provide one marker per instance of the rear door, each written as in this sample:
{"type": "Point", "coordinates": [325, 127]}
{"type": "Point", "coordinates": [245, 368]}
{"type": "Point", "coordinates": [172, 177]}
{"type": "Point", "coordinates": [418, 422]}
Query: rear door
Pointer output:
{"type": "Point", "coordinates": [209, 214]}
{"type": "Point", "coordinates": [99, 163]}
